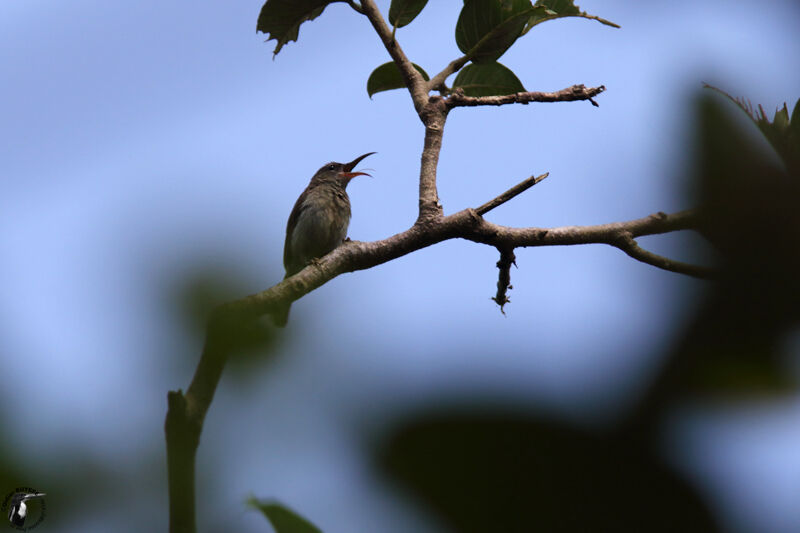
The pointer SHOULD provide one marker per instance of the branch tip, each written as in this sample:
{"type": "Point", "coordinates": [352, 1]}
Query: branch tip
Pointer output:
{"type": "Point", "coordinates": [628, 244]}
{"type": "Point", "coordinates": [510, 193]}
{"type": "Point", "coordinates": [570, 94]}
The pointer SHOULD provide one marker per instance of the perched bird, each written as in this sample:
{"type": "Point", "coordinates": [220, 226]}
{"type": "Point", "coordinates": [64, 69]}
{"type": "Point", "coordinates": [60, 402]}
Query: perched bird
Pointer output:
{"type": "Point", "coordinates": [319, 220]}
{"type": "Point", "coordinates": [19, 509]}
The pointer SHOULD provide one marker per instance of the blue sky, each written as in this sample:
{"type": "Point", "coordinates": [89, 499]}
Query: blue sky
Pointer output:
{"type": "Point", "coordinates": [143, 142]}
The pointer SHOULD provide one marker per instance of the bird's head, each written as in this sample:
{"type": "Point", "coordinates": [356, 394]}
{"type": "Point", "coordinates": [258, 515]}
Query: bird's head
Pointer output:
{"type": "Point", "coordinates": [340, 172]}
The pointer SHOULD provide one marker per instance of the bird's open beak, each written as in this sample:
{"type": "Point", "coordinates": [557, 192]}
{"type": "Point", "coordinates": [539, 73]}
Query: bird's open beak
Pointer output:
{"type": "Point", "coordinates": [351, 165]}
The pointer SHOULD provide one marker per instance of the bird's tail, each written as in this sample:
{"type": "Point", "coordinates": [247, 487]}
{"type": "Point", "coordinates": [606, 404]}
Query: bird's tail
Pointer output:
{"type": "Point", "coordinates": [281, 316]}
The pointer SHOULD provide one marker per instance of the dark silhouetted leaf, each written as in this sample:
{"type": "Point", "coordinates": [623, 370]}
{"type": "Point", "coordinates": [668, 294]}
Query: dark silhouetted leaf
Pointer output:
{"type": "Point", "coordinates": [486, 470]}
{"type": "Point", "coordinates": [783, 134]}
{"type": "Point", "coordinates": [487, 28]}
{"type": "Point", "coordinates": [281, 19]}
{"type": "Point", "coordinates": [387, 77]}
{"type": "Point", "coordinates": [734, 347]}
{"type": "Point", "coordinates": [283, 519]}
{"type": "Point", "coordinates": [487, 80]}
{"type": "Point", "coordinates": [555, 9]}
{"type": "Point", "coordinates": [795, 123]}
{"type": "Point", "coordinates": [402, 12]}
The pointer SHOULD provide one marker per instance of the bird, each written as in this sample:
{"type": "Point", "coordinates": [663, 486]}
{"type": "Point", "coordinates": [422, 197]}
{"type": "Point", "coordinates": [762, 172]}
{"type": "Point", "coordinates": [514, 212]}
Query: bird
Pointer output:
{"type": "Point", "coordinates": [18, 509]}
{"type": "Point", "coordinates": [318, 222]}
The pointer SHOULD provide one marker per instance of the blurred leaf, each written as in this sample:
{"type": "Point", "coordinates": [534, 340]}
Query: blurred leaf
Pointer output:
{"type": "Point", "coordinates": [402, 12]}
{"type": "Point", "coordinates": [554, 9]}
{"type": "Point", "coordinates": [281, 19]}
{"type": "Point", "coordinates": [795, 123]}
{"type": "Point", "coordinates": [283, 519]}
{"type": "Point", "coordinates": [487, 80]}
{"type": "Point", "coordinates": [782, 134]}
{"type": "Point", "coordinates": [487, 28]}
{"type": "Point", "coordinates": [734, 344]}
{"type": "Point", "coordinates": [737, 374]}
{"type": "Point", "coordinates": [248, 342]}
{"type": "Point", "coordinates": [387, 77]}
{"type": "Point", "coordinates": [486, 470]}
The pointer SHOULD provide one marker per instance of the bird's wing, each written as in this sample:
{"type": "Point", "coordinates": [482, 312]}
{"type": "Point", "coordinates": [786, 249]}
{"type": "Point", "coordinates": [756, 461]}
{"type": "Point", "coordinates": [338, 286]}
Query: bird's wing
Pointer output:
{"type": "Point", "coordinates": [294, 216]}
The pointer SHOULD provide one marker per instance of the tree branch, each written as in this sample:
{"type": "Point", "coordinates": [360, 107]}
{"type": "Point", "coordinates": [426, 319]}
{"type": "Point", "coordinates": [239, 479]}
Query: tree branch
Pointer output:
{"type": "Point", "coordinates": [412, 78]}
{"type": "Point", "coordinates": [434, 115]}
{"type": "Point", "coordinates": [628, 245]}
{"type": "Point", "coordinates": [453, 67]}
{"type": "Point", "coordinates": [355, 6]}
{"type": "Point", "coordinates": [466, 224]}
{"type": "Point", "coordinates": [510, 193]}
{"type": "Point", "coordinates": [186, 414]}
{"type": "Point", "coordinates": [570, 94]}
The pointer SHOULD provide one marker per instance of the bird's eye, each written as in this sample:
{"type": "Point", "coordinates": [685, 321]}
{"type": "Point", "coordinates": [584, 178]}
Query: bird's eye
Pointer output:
{"type": "Point", "coordinates": [331, 167]}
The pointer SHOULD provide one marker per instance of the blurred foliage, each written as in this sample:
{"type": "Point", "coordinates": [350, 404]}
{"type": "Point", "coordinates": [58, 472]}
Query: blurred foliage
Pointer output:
{"type": "Point", "coordinates": [783, 133]}
{"type": "Point", "coordinates": [249, 343]}
{"type": "Point", "coordinates": [76, 484]}
{"type": "Point", "coordinates": [283, 519]}
{"type": "Point", "coordinates": [487, 469]}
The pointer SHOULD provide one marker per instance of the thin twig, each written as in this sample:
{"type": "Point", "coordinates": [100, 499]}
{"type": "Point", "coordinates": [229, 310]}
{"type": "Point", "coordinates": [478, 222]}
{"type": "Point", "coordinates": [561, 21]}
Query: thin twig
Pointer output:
{"type": "Point", "coordinates": [510, 193]}
{"type": "Point", "coordinates": [570, 94]}
{"type": "Point", "coordinates": [417, 86]}
{"type": "Point", "coordinates": [453, 67]}
{"type": "Point", "coordinates": [355, 6]}
{"type": "Point", "coordinates": [629, 245]}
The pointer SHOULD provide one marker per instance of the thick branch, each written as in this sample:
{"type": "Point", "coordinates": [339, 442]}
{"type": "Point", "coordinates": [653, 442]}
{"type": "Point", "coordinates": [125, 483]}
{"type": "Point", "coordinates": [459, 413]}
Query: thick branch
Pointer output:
{"type": "Point", "coordinates": [434, 116]}
{"type": "Point", "coordinates": [510, 193]}
{"type": "Point", "coordinates": [466, 224]}
{"type": "Point", "coordinates": [412, 78]}
{"type": "Point", "coordinates": [185, 416]}
{"type": "Point", "coordinates": [570, 94]}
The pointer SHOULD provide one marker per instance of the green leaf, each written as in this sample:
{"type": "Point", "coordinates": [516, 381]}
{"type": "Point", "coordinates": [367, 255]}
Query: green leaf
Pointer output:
{"type": "Point", "coordinates": [487, 80]}
{"type": "Point", "coordinates": [283, 520]}
{"type": "Point", "coordinates": [555, 9]}
{"type": "Point", "coordinates": [387, 77]}
{"type": "Point", "coordinates": [402, 12]}
{"type": "Point", "coordinates": [281, 19]}
{"type": "Point", "coordinates": [487, 28]}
